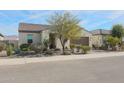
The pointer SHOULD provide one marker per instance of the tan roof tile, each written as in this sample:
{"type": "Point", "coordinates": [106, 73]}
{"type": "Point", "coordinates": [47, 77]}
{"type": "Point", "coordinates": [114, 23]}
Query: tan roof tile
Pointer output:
{"type": "Point", "coordinates": [32, 27]}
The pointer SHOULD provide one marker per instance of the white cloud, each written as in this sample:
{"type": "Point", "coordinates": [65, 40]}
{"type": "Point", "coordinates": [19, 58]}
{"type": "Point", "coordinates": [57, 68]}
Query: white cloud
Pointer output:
{"type": "Point", "coordinates": [31, 16]}
{"type": "Point", "coordinates": [84, 22]}
{"type": "Point", "coordinates": [36, 15]}
{"type": "Point", "coordinates": [111, 16]}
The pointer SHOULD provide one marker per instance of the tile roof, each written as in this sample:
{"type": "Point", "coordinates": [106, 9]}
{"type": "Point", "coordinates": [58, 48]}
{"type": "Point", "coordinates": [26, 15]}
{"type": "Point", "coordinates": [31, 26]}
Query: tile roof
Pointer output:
{"type": "Point", "coordinates": [32, 27]}
{"type": "Point", "coordinates": [85, 30]}
{"type": "Point", "coordinates": [28, 27]}
{"type": "Point", "coordinates": [101, 32]}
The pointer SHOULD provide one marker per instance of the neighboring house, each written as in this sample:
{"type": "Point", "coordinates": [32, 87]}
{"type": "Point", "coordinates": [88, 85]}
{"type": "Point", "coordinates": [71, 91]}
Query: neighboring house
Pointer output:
{"type": "Point", "coordinates": [1, 40]}
{"type": "Point", "coordinates": [85, 39]}
{"type": "Point", "coordinates": [36, 34]}
{"type": "Point", "coordinates": [1, 37]}
{"type": "Point", "coordinates": [12, 39]}
{"type": "Point", "coordinates": [98, 36]}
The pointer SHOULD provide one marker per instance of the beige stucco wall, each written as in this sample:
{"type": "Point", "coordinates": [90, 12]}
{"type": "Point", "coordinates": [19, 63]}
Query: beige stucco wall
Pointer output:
{"type": "Point", "coordinates": [45, 35]}
{"type": "Point", "coordinates": [97, 40]}
{"type": "Point", "coordinates": [122, 38]}
{"type": "Point", "coordinates": [39, 38]}
{"type": "Point", "coordinates": [58, 44]}
{"type": "Point", "coordinates": [1, 38]}
{"type": "Point", "coordinates": [23, 38]}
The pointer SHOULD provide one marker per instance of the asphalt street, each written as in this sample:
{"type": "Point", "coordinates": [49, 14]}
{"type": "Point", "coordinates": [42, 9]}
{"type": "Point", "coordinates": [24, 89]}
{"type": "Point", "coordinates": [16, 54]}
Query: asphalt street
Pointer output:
{"type": "Point", "coordinates": [95, 70]}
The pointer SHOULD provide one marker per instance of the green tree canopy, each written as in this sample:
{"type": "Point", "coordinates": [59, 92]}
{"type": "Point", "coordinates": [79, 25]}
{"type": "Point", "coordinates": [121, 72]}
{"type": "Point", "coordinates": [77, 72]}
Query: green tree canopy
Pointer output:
{"type": "Point", "coordinates": [112, 41]}
{"type": "Point", "coordinates": [66, 26]}
{"type": "Point", "coordinates": [118, 31]}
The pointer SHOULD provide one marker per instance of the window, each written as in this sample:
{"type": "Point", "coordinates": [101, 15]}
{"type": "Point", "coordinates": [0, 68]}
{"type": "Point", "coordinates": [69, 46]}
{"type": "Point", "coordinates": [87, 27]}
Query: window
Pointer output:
{"type": "Point", "coordinates": [29, 38]}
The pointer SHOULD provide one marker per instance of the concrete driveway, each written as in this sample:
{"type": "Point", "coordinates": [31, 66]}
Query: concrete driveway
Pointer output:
{"type": "Point", "coordinates": [86, 70]}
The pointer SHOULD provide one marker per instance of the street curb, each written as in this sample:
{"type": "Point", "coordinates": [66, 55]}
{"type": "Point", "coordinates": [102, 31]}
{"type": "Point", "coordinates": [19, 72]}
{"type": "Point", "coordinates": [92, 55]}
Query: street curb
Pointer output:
{"type": "Point", "coordinates": [17, 61]}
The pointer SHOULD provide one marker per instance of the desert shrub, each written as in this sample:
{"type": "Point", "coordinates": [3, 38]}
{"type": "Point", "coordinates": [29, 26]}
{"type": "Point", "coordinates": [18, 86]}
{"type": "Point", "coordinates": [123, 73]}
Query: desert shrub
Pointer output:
{"type": "Point", "coordinates": [9, 50]}
{"type": "Point", "coordinates": [67, 52]}
{"type": "Point", "coordinates": [122, 47]}
{"type": "Point", "coordinates": [25, 47]}
{"type": "Point", "coordinates": [113, 41]}
{"type": "Point", "coordinates": [57, 49]}
{"type": "Point", "coordinates": [103, 47]}
{"type": "Point", "coordinates": [35, 48]}
{"type": "Point", "coordinates": [17, 51]}
{"type": "Point", "coordinates": [72, 46]}
{"type": "Point", "coordinates": [46, 44]}
{"type": "Point", "coordinates": [85, 49]}
{"type": "Point", "coordinates": [78, 47]}
{"type": "Point", "coordinates": [49, 52]}
{"type": "Point", "coordinates": [1, 48]}
{"type": "Point", "coordinates": [66, 48]}
{"type": "Point", "coordinates": [44, 49]}
{"type": "Point", "coordinates": [96, 46]}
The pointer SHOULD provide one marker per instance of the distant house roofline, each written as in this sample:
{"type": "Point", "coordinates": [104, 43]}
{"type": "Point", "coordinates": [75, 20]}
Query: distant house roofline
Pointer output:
{"type": "Point", "coordinates": [11, 37]}
{"type": "Point", "coordinates": [33, 24]}
{"type": "Point", "coordinates": [86, 30]}
{"type": "Point", "coordinates": [101, 32]}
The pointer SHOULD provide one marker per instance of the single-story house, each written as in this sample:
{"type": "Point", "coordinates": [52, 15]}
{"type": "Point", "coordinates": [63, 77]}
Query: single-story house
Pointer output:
{"type": "Point", "coordinates": [37, 33]}
{"type": "Point", "coordinates": [1, 40]}
{"type": "Point", "coordinates": [11, 39]}
{"type": "Point", "coordinates": [98, 36]}
{"type": "Point", "coordinates": [5, 40]}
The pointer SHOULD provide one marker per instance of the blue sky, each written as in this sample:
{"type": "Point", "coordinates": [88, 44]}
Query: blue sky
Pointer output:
{"type": "Point", "coordinates": [90, 19]}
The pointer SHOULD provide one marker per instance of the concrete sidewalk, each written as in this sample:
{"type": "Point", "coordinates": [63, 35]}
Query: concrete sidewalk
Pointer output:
{"type": "Point", "coordinates": [15, 61]}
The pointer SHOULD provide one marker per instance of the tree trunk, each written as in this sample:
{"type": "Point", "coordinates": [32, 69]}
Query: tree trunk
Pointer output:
{"type": "Point", "coordinates": [63, 49]}
{"type": "Point", "coordinates": [113, 48]}
{"type": "Point", "coordinates": [121, 42]}
{"type": "Point", "coordinates": [62, 43]}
